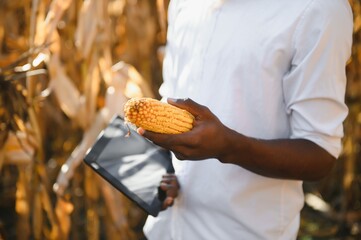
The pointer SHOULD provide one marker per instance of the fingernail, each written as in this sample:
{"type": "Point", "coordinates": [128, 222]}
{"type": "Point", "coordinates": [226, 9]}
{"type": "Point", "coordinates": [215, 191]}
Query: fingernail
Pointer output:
{"type": "Point", "coordinates": [169, 201]}
{"type": "Point", "coordinates": [140, 131]}
{"type": "Point", "coordinates": [173, 100]}
{"type": "Point", "coordinates": [163, 186]}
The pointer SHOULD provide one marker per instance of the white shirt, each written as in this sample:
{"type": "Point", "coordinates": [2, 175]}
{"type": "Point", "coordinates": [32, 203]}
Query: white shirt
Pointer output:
{"type": "Point", "coordinates": [267, 69]}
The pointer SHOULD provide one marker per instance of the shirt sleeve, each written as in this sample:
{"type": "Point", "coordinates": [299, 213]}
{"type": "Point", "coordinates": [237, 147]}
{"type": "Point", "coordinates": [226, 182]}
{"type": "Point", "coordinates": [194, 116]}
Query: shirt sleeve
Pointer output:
{"type": "Point", "coordinates": [314, 88]}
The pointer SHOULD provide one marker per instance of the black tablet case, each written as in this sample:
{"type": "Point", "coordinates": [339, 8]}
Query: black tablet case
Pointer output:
{"type": "Point", "coordinates": [130, 163]}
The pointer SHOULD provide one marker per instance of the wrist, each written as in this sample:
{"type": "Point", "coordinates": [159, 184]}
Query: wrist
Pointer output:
{"type": "Point", "coordinates": [234, 147]}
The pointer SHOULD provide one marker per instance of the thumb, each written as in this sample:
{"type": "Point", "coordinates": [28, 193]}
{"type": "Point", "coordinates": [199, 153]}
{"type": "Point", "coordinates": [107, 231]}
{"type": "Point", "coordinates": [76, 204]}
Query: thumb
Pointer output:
{"type": "Point", "coordinates": [168, 202]}
{"type": "Point", "coordinates": [188, 104]}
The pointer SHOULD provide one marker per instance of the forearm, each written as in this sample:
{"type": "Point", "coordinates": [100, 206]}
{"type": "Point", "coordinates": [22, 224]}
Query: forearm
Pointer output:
{"type": "Point", "coordinates": [297, 159]}
{"type": "Point", "coordinates": [281, 158]}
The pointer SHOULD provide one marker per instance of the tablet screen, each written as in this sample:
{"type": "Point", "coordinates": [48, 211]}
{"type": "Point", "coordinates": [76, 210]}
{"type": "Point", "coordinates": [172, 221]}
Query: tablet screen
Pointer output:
{"type": "Point", "coordinates": [130, 163]}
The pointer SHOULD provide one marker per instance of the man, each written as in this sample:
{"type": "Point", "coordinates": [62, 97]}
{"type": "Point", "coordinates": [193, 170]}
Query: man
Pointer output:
{"type": "Point", "coordinates": [267, 83]}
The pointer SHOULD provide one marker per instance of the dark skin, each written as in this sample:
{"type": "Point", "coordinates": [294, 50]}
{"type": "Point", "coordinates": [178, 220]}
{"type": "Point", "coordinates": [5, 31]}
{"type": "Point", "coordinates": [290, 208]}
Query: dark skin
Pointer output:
{"type": "Point", "coordinates": [294, 159]}
{"type": "Point", "coordinates": [170, 185]}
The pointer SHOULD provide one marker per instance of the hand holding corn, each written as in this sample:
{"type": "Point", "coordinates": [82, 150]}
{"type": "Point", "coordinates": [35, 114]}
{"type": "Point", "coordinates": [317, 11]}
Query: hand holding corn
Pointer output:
{"type": "Point", "coordinates": [206, 140]}
{"type": "Point", "coordinates": [153, 115]}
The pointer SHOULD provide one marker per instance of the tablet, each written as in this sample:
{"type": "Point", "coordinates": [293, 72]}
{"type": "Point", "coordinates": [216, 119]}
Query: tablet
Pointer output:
{"type": "Point", "coordinates": [131, 163]}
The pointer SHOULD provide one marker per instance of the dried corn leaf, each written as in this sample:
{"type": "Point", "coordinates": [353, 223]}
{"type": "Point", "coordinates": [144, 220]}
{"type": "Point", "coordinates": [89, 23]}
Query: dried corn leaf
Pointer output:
{"type": "Point", "coordinates": [2, 29]}
{"type": "Point", "coordinates": [55, 43]}
{"type": "Point", "coordinates": [114, 204]}
{"type": "Point", "coordinates": [19, 43]}
{"type": "Point", "coordinates": [97, 50]}
{"type": "Point", "coordinates": [38, 34]}
{"type": "Point", "coordinates": [92, 198]}
{"type": "Point", "coordinates": [53, 231]}
{"type": "Point", "coordinates": [46, 28]}
{"type": "Point", "coordinates": [64, 89]}
{"type": "Point", "coordinates": [8, 59]}
{"type": "Point", "coordinates": [36, 129]}
{"type": "Point", "coordinates": [136, 86]}
{"type": "Point", "coordinates": [114, 101]}
{"type": "Point", "coordinates": [93, 224]}
{"type": "Point", "coordinates": [162, 18]}
{"type": "Point", "coordinates": [13, 106]}
{"type": "Point", "coordinates": [4, 132]}
{"type": "Point", "coordinates": [116, 7]}
{"type": "Point", "coordinates": [33, 24]}
{"type": "Point", "coordinates": [22, 207]}
{"type": "Point", "coordinates": [37, 216]}
{"type": "Point", "coordinates": [87, 26]}
{"type": "Point", "coordinates": [19, 123]}
{"type": "Point", "coordinates": [63, 210]}
{"type": "Point", "coordinates": [2, 158]}
{"type": "Point", "coordinates": [105, 65]}
{"type": "Point", "coordinates": [17, 149]}
{"type": "Point", "coordinates": [117, 207]}
{"type": "Point", "coordinates": [56, 11]}
{"type": "Point", "coordinates": [68, 168]}
{"type": "Point", "coordinates": [82, 117]}
{"type": "Point", "coordinates": [91, 88]}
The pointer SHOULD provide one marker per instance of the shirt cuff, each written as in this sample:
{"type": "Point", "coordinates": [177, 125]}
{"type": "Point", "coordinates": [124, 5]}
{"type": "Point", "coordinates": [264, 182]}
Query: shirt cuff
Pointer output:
{"type": "Point", "coordinates": [329, 143]}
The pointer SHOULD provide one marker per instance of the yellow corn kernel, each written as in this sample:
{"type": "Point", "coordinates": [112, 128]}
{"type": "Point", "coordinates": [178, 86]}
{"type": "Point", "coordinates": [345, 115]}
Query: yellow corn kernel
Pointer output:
{"type": "Point", "coordinates": [157, 116]}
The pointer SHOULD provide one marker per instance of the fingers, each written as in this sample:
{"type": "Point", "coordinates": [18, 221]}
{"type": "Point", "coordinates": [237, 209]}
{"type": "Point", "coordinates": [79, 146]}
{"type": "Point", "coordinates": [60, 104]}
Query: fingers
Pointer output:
{"type": "Point", "coordinates": [183, 148]}
{"type": "Point", "coordinates": [189, 105]}
{"type": "Point", "coordinates": [173, 142]}
{"type": "Point", "coordinates": [157, 138]}
{"type": "Point", "coordinates": [169, 184]}
{"type": "Point", "coordinates": [140, 131]}
{"type": "Point", "coordinates": [168, 202]}
{"type": "Point", "coordinates": [151, 135]}
{"type": "Point", "coordinates": [169, 179]}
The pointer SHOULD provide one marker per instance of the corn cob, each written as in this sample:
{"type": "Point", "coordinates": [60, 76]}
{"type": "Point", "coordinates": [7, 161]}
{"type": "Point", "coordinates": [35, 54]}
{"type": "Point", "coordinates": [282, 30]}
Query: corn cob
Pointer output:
{"type": "Point", "coordinates": [157, 116]}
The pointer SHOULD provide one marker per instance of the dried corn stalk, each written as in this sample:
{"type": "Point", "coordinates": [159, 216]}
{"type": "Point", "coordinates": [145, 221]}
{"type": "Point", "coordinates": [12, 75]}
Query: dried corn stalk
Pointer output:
{"type": "Point", "coordinates": [63, 209]}
{"type": "Point", "coordinates": [114, 100]}
{"type": "Point", "coordinates": [46, 40]}
{"type": "Point", "coordinates": [22, 206]}
{"type": "Point", "coordinates": [92, 20]}
{"type": "Point", "coordinates": [18, 150]}
{"type": "Point", "coordinates": [47, 26]}
{"type": "Point", "coordinates": [65, 90]}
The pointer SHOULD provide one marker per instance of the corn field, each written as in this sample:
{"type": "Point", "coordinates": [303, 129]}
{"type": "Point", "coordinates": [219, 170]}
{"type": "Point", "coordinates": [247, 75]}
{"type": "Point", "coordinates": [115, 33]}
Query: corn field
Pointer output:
{"type": "Point", "coordinates": [66, 67]}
